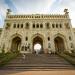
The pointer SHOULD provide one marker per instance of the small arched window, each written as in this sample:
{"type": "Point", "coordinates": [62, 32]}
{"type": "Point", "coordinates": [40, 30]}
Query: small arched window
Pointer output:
{"type": "Point", "coordinates": [48, 38]}
{"type": "Point", "coordinates": [33, 25]}
{"type": "Point", "coordinates": [18, 26]}
{"type": "Point", "coordinates": [26, 38]}
{"type": "Point", "coordinates": [71, 45]}
{"type": "Point", "coordinates": [53, 25]}
{"type": "Point", "coordinates": [70, 38]}
{"type": "Point", "coordinates": [14, 26]}
{"type": "Point", "coordinates": [41, 25]}
{"type": "Point", "coordinates": [27, 25]}
{"type": "Point", "coordinates": [21, 25]}
{"type": "Point", "coordinates": [47, 25]}
{"type": "Point", "coordinates": [56, 25]}
{"type": "Point", "coordinates": [60, 25]}
{"type": "Point", "coordinates": [37, 25]}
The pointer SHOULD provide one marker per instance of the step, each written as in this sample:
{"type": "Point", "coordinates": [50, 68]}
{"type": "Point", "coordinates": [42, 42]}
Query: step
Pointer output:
{"type": "Point", "coordinates": [37, 62]}
{"type": "Point", "coordinates": [37, 68]}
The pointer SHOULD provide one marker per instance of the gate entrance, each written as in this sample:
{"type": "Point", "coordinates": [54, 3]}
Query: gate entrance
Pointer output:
{"type": "Point", "coordinates": [38, 45]}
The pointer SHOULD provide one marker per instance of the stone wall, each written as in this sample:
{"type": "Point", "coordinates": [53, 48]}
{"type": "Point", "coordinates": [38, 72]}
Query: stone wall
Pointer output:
{"type": "Point", "coordinates": [41, 25]}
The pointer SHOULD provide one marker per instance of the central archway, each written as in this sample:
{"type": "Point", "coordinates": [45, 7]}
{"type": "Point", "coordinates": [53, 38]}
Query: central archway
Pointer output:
{"type": "Point", "coordinates": [38, 41]}
{"type": "Point", "coordinates": [37, 46]}
{"type": "Point", "coordinates": [16, 44]}
{"type": "Point", "coordinates": [59, 44]}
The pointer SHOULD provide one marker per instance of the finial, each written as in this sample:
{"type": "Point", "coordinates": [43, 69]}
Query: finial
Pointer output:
{"type": "Point", "coordinates": [66, 11]}
{"type": "Point", "coordinates": [8, 11]}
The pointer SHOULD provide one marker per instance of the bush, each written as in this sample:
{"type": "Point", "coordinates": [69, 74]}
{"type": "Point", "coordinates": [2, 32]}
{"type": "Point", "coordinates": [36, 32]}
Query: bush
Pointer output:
{"type": "Point", "coordinates": [73, 51]}
{"type": "Point", "coordinates": [1, 55]}
{"type": "Point", "coordinates": [7, 57]}
{"type": "Point", "coordinates": [66, 52]}
{"type": "Point", "coordinates": [68, 58]}
{"type": "Point", "coordinates": [3, 51]}
{"type": "Point", "coordinates": [70, 54]}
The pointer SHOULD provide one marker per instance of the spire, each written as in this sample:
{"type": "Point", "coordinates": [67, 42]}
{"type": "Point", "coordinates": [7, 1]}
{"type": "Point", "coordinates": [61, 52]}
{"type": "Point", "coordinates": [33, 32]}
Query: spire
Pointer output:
{"type": "Point", "coordinates": [66, 11]}
{"type": "Point", "coordinates": [8, 11]}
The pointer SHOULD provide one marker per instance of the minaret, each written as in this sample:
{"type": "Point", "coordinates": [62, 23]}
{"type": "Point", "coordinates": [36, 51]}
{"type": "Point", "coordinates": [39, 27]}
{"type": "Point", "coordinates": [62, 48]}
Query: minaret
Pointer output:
{"type": "Point", "coordinates": [66, 11]}
{"type": "Point", "coordinates": [8, 11]}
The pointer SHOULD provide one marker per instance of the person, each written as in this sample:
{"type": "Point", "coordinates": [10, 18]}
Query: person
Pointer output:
{"type": "Point", "coordinates": [37, 51]}
{"type": "Point", "coordinates": [49, 52]}
{"type": "Point", "coordinates": [24, 57]}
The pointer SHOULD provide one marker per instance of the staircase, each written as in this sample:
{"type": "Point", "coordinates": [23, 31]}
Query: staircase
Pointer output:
{"type": "Point", "coordinates": [38, 62]}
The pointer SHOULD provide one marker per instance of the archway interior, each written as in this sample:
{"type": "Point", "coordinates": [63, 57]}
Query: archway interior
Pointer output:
{"type": "Point", "coordinates": [38, 44]}
{"type": "Point", "coordinates": [38, 47]}
{"type": "Point", "coordinates": [16, 44]}
{"type": "Point", "coordinates": [59, 44]}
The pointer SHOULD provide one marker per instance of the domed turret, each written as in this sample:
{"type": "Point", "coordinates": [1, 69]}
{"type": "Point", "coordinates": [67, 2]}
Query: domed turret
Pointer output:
{"type": "Point", "coordinates": [66, 11]}
{"type": "Point", "coordinates": [8, 11]}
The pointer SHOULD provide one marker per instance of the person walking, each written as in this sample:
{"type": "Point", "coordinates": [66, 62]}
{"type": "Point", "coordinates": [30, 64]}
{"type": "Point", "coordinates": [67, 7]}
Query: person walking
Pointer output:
{"type": "Point", "coordinates": [24, 57]}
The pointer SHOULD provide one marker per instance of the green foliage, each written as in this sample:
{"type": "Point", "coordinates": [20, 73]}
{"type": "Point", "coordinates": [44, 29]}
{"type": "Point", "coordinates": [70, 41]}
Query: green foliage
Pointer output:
{"type": "Point", "coordinates": [1, 55]}
{"type": "Point", "coordinates": [66, 52]}
{"type": "Point", "coordinates": [70, 54]}
{"type": "Point", "coordinates": [73, 51]}
{"type": "Point", "coordinates": [7, 57]}
{"type": "Point", "coordinates": [68, 58]}
{"type": "Point", "coordinates": [3, 51]}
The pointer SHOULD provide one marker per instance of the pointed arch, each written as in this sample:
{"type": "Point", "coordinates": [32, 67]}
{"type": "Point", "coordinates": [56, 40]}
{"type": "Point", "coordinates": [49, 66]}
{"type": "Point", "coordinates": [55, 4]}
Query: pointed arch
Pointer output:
{"type": "Point", "coordinates": [16, 40]}
{"type": "Point", "coordinates": [59, 41]}
{"type": "Point", "coordinates": [38, 39]}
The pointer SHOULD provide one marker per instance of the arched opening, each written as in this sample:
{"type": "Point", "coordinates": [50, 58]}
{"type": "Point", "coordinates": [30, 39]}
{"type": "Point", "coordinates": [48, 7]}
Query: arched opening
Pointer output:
{"type": "Point", "coordinates": [37, 45]}
{"type": "Point", "coordinates": [59, 44]}
{"type": "Point", "coordinates": [16, 44]}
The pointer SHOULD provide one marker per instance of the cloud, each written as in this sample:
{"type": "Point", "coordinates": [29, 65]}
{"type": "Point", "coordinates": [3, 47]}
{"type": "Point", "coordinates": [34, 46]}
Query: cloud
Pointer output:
{"type": "Point", "coordinates": [3, 8]}
{"type": "Point", "coordinates": [4, 5]}
{"type": "Point", "coordinates": [36, 7]}
{"type": "Point", "coordinates": [60, 5]}
{"type": "Point", "coordinates": [33, 6]}
{"type": "Point", "coordinates": [10, 5]}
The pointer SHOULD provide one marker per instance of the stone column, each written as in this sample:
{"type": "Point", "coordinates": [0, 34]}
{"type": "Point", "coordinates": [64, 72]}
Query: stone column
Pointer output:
{"type": "Point", "coordinates": [52, 44]}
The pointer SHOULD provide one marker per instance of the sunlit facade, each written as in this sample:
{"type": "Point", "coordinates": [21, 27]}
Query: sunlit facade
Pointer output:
{"type": "Point", "coordinates": [52, 32]}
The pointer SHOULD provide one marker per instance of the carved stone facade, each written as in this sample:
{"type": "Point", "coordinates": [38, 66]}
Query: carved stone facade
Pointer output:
{"type": "Point", "coordinates": [22, 32]}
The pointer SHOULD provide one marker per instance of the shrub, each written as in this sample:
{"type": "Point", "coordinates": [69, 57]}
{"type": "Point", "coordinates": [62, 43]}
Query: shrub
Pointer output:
{"type": "Point", "coordinates": [70, 54]}
{"type": "Point", "coordinates": [1, 55]}
{"type": "Point", "coordinates": [73, 51]}
{"type": "Point", "coordinates": [66, 52]}
{"type": "Point", "coordinates": [68, 58]}
{"type": "Point", "coordinates": [3, 51]}
{"type": "Point", "coordinates": [7, 57]}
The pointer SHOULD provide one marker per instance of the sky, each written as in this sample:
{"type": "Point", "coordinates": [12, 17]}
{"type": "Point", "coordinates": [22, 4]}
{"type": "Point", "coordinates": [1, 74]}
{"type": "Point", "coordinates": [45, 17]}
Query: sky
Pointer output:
{"type": "Point", "coordinates": [37, 7]}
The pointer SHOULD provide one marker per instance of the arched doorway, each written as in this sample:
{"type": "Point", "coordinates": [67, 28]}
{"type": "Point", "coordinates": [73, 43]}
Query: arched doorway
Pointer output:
{"type": "Point", "coordinates": [59, 44]}
{"type": "Point", "coordinates": [16, 44]}
{"type": "Point", "coordinates": [38, 43]}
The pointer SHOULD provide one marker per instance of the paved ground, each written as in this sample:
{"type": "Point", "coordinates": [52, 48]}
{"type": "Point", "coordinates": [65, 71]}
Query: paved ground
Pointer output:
{"type": "Point", "coordinates": [54, 72]}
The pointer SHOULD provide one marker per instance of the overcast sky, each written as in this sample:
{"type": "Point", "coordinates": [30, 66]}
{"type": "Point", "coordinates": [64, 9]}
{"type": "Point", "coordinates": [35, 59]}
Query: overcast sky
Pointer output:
{"type": "Point", "coordinates": [37, 7]}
